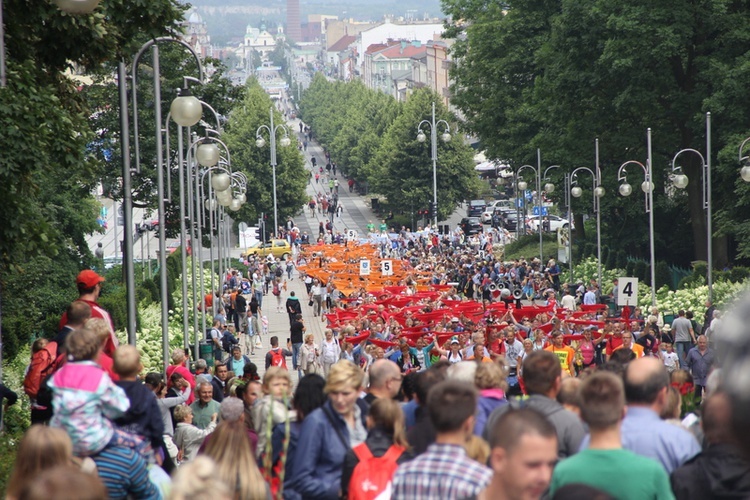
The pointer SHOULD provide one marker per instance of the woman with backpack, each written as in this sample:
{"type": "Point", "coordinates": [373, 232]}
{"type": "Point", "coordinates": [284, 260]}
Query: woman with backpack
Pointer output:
{"type": "Point", "coordinates": [377, 458]}
{"type": "Point", "coordinates": [328, 433]}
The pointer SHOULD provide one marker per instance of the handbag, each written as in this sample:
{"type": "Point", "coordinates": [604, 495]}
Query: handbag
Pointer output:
{"type": "Point", "coordinates": [310, 303]}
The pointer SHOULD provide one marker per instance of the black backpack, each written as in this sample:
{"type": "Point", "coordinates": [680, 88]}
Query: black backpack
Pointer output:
{"type": "Point", "coordinates": [228, 341]}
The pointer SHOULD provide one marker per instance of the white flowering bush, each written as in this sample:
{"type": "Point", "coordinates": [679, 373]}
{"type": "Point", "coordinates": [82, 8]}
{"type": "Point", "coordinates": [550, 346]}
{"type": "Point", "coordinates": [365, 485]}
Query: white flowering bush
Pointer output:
{"type": "Point", "coordinates": [588, 270]}
{"type": "Point", "coordinates": [668, 301]}
{"type": "Point", "coordinates": [149, 335]}
{"type": "Point", "coordinates": [691, 299]}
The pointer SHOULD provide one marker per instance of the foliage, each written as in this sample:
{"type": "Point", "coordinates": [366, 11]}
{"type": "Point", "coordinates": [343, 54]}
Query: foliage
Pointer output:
{"type": "Point", "coordinates": [402, 168]}
{"type": "Point", "coordinates": [662, 275]}
{"type": "Point", "coordinates": [34, 296]}
{"type": "Point", "coordinates": [528, 247]}
{"type": "Point", "coordinates": [291, 177]}
{"type": "Point", "coordinates": [46, 177]}
{"type": "Point", "coordinates": [175, 63]}
{"type": "Point", "coordinates": [372, 138]}
{"type": "Point", "coordinates": [17, 417]}
{"type": "Point", "coordinates": [557, 73]}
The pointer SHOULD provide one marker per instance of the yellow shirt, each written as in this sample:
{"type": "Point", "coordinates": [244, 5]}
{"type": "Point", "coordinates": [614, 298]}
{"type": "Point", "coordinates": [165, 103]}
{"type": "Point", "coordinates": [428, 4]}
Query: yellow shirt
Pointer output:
{"type": "Point", "coordinates": [564, 354]}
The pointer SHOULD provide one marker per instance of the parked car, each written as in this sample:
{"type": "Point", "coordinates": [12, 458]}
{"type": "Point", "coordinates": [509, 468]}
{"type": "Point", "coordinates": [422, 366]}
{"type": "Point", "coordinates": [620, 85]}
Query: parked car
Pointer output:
{"type": "Point", "coordinates": [112, 261]}
{"type": "Point", "coordinates": [554, 223]}
{"type": "Point", "coordinates": [278, 248]}
{"type": "Point", "coordinates": [476, 207]}
{"type": "Point", "coordinates": [470, 225]}
{"type": "Point", "coordinates": [506, 219]}
{"type": "Point", "coordinates": [491, 206]}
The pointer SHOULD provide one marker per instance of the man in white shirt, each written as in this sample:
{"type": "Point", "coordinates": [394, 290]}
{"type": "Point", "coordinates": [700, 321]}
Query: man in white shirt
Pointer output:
{"type": "Point", "coordinates": [589, 298]}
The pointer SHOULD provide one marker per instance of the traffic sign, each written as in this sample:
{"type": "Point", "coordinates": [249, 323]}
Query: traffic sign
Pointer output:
{"type": "Point", "coordinates": [386, 268]}
{"type": "Point", "coordinates": [535, 211]}
{"type": "Point", "coordinates": [364, 267]}
{"type": "Point", "coordinates": [627, 292]}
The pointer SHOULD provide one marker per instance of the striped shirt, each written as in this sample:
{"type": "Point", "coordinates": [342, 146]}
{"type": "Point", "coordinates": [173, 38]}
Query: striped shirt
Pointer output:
{"type": "Point", "coordinates": [443, 472]}
{"type": "Point", "coordinates": [124, 473]}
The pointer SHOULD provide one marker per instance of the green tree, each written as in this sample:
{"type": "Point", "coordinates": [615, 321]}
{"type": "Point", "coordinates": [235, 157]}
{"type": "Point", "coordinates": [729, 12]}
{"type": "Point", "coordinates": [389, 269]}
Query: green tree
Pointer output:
{"type": "Point", "coordinates": [291, 177]}
{"type": "Point", "coordinates": [555, 74]}
{"type": "Point", "coordinates": [48, 170]}
{"type": "Point", "coordinates": [402, 167]}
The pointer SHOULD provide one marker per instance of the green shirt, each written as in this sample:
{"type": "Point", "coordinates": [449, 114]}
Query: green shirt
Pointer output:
{"type": "Point", "coordinates": [202, 414]}
{"type": "Point", "coordinates": [384, 227]}
{"type": "Point", "coordinates": [621, 473]}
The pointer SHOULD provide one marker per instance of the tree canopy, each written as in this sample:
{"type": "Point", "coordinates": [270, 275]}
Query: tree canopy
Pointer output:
{"type": "Point", "coordinates": [373, 139]}
{"type": "Point", "coordinates": [555, 74]}
{"type": "Point", "coordinates": [48, 170]}
{"type": "Point", "coordinates": [291, 177]}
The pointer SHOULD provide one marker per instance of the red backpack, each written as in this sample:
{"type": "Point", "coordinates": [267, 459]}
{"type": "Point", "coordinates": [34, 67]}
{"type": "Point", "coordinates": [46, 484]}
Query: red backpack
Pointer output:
{"type": "Point", "coordinates": [278, 358]}
{"type": "Point", "coordinates": [372, 475]}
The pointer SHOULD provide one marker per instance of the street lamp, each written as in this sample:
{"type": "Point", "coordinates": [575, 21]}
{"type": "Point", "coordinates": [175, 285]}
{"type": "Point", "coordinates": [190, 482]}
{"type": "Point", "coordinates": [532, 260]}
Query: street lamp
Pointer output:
{"type": "Point", "coordinates": [745, 162]}
{"type": "Point", "coordinates": [647, 186]}
{"type": "Point", "coordinates": [549, 187]}
{"type": "Point", "coordinates": [680, 181]}
{"type": "Point", "coordinates": [184, 109]}
{"type": "Point", "coordinates": [207, 154]}
{"type": "Point", "coordinates": [597, 191]}
{"type": "Point", "coordinates": [284, 142]}
{"type": "Point", "coordinates": [445, 137]}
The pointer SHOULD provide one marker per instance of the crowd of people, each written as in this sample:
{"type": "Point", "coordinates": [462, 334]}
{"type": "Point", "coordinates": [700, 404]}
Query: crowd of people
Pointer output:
{"type": "Point", "coordinates": [445, 383]}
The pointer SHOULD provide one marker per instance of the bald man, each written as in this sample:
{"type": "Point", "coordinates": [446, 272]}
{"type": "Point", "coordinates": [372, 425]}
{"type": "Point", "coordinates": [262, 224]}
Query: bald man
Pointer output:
{"type": "Point", "coordinates": [385, 380]}
{"type": "Point", "coordinates": [643, 432]}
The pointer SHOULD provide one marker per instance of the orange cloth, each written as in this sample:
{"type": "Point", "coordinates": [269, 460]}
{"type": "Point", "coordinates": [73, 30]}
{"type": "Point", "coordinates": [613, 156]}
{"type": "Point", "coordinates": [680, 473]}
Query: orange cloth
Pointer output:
{"type": "Point", "coordinates": [636, 348]}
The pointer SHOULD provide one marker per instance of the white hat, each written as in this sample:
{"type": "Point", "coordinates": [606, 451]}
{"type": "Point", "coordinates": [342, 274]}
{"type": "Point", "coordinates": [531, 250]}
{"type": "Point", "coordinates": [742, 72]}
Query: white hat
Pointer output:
{"type": "Point", "coordinates": [454, 320]}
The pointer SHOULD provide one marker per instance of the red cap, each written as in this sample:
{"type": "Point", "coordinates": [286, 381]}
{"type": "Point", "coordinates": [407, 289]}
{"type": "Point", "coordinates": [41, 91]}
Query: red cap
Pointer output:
{"type": "Point", "coordinates": [88, 278]}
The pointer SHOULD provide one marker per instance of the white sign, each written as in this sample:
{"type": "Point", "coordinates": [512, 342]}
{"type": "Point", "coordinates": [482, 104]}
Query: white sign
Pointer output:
{"type": "Point", "coordinates": [351, 234]}
{"type": "Point", "coordinates": [364, 267]}
{"type": "Point", "coordinates": [247, 237]}
{"type": "Point", "coordinates": [386, 268]}
{"type": "Point", "coordinates": [627, 292]}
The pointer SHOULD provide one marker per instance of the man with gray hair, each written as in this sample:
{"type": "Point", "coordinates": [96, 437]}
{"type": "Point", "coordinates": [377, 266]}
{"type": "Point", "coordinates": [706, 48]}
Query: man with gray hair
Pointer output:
{"type": "Point", "coordinates": [201, 367]}
{"type": "Point", "coordinates": [232, 412]}
{"type": "Point", "coordinates": [204, 406]}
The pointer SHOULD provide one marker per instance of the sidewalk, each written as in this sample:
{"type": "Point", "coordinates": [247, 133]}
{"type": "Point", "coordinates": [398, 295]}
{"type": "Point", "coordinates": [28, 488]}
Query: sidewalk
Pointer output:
{"type": "Point", "coordinates": [356, 214]}
{"type": "Point", "coordinates": [278, 324]}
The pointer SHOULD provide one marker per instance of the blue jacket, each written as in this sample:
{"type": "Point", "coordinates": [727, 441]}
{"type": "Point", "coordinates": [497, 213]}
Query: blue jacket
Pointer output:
{"type": "Point", "coordinates": [319, 458]}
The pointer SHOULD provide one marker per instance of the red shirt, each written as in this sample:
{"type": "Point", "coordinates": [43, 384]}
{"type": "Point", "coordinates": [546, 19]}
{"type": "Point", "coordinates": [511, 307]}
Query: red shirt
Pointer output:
{"type": "Point", "coordinates": [496, 347]}
{"type": "Point", "coordinates": [187, 375]}
{"type": "Point", "coordinates": [106, 362]}
{"type": "Point", "coordinates": [613, 343]}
